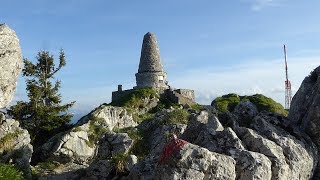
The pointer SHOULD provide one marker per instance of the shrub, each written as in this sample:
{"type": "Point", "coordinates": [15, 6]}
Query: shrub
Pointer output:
{"type": "Point", "coordinates": [9, 172]}
{"type": "Point", "coordinates": [264, 103]}
{"type": "Point", "coordinates": [228, 103]}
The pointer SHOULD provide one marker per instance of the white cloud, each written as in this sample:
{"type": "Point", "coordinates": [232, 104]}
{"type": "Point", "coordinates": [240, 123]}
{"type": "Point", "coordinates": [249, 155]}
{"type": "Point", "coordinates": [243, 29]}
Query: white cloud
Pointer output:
{"type": "Point", "coordinates": [261, 76]}
{"type": "Point", "coordinates": [257, 5]}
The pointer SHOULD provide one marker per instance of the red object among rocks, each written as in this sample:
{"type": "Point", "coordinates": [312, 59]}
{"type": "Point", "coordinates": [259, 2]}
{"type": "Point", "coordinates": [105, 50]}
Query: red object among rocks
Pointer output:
{"type": "Point", "coordinates": [173, 146]}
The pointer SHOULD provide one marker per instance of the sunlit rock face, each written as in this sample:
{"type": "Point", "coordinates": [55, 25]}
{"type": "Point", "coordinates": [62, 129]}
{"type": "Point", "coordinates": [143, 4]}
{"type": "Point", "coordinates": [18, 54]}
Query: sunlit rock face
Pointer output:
{"type": "Point", "coordinates": [10, 64]}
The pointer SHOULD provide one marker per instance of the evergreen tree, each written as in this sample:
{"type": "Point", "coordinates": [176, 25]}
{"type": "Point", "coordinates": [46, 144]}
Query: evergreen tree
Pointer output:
{"type": "Point", "coordinates": [43, 116]}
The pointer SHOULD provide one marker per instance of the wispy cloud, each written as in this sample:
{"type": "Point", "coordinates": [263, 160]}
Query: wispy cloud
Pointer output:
{"type": "Point", "coordinates": [257, 5]}
{"type": "Point", "coordinates": [260, 76]}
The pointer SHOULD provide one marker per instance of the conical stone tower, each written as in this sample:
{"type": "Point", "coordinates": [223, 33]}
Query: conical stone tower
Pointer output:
{"type": "Point", "coordinates": [151, 73]}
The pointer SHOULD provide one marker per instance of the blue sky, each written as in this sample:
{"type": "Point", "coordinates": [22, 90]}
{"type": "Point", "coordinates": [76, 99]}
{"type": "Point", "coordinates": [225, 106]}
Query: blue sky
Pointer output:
{"type": "Point", "coordinates": [214, 47]}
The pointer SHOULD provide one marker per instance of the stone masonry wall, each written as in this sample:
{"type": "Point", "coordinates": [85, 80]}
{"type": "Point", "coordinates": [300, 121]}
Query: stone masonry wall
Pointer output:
{"type": "Point", "coordinates": [151, 79]}
{"type": "Point", "coordinates": [116, 95]}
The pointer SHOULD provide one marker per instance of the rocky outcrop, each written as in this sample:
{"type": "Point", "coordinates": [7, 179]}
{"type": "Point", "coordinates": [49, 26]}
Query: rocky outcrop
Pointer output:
{"type": "Point", "coordinates": [305, 108]}
{"type": "Point", "coordinates": [15, 144]}
{"type": "Point", "coordinates": [246, 144]}
{"type": "Point", "coordinates": [71, 146]}
{"type": "Point", "coordinates": [109, 117]}
{"type": "Point", "coordinates": [114, 143]}
{"type": "Point", "coordinates": [10, 64]}
{"type": "Point", "coordinates": [162, 135]}
{"type": "Point", "coordinates": [268, 148]}
{"type": "Point", "coordinates": [299, 152]}
{"type": "Point", "coordinates": [81, 142]}
{"type": "Point", "coordinates": [257, 143]}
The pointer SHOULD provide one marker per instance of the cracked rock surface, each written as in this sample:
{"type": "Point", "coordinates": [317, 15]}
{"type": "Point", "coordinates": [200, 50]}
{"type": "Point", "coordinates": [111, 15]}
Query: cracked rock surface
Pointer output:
{"type": "Point", "coordinates": [15, 144]}
{"type": "Point", "coordinates": [10, 64]}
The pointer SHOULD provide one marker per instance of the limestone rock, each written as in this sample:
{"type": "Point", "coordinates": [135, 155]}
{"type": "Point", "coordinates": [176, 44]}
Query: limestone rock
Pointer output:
{"type": "Point", "coordinates": [245, 111]}
{"type": "Point", "coordinates": [10, 64]}
{"type": "Point", "coordinates": [198, 122]}
{"type": "Point", "coordinates": [220, 142]}
{"type": "Point", "coordinates": [90, 136]}
{"type": "Point", "coordinates": [15, 144]}
{"type": "Point", "coordinates": [251, 165]}
{"type": "Point", "coordinates": [299, 156]}
{"type": "Point", "coordinates": [61, 171]}
{"type": "Point", "coordinates": [162, 135]}
{"type": "Point", "coordinates": [257, 143]}
{"type": "Point", "coordinates": [144, 170]}
{"type": "Point", "coordinates": [100, 169]}
{"type": "Point", "coordinates": [118, 143]}
{"type": "Point", "coordinates": [305, 108]}
{"type": "Point", "coordinates": [109, 117]}
{"type": "Point", "coordinates": [71, 146]}
{"type": "Point", "coordinates": [194, 162]}
{"type": "Point", "coordinates": [131, 161]}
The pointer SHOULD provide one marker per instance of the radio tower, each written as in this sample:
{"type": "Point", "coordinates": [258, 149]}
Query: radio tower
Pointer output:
{"type": "Point", "coordinates": [287, 82]}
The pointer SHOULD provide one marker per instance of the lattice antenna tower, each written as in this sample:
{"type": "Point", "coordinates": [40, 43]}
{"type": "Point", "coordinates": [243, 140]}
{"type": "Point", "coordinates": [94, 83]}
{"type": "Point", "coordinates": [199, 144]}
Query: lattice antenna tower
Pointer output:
{"type": "Point", "coordinates": [288, 94]}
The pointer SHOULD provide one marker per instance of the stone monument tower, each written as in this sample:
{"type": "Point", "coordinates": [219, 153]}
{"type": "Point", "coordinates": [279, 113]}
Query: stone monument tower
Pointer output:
{"type": "Point", "coordinates": [151, 73]}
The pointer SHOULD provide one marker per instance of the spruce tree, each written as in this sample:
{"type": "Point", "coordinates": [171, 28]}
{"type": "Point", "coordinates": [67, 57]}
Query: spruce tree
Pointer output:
{"type": "Point", "coordinates": [43, 115]}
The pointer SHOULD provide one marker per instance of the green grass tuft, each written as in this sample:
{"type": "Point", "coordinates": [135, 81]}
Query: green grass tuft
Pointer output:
{"type": "Point", "coordinates": [119, 162]}
{"type": "Point", "coordinates": [9, 172]}
{"type": "Point", "coordinates": [95, 131]}
{"type": "Point", "coordinates": [6, 143]}
{"type": "Point", "coordinates": [133, 100]}
{"type": "Point", "coordinates": [197, 107]}
{"type": "Point", "coordinates": [177, 116]}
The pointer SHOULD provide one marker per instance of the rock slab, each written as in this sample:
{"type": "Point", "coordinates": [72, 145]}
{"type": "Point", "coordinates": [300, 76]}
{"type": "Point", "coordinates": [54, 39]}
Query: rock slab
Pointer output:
{"type": "Point", "coordinates": [10, 64]}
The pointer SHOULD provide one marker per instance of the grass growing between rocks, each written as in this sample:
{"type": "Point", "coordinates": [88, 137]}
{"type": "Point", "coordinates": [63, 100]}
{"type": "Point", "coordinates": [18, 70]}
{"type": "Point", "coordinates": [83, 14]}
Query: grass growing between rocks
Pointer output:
{"type": "Point", "coordinates": [143, 117]}
{"type": "Point", "coordinates": [119, 162]}
{"type": "Point", "coordinates": [164, 104]}
{"type": "Point", "coordinates": [6, 143]}
{"type": "Point", "coordinates": [96, 131]}
{"type": "Point", "coordinates": [140, 146]}
{"type": "Point", "coordinates": [134, 99]}
{"type": "Point", "coordinates": [228, 103]}
{"type": "Point", "coordinates": [177, 116]}
{"type": "Point", "coordinates": [9, 172]}
{"type": "Point", "coordinates": [197, 107]}
{"type": "Point", "coordinates": [44, 167]}
{"type": "Point", "coordinates": [77, 129]}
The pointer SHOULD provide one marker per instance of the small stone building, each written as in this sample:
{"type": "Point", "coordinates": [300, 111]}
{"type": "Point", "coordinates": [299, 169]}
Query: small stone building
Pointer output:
{"type": "Point", "coordinates": [151, 75]}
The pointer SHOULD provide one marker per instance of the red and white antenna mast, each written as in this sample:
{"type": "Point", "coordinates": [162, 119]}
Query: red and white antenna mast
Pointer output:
{"type": "Point", "coordinates": [287, 82]}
